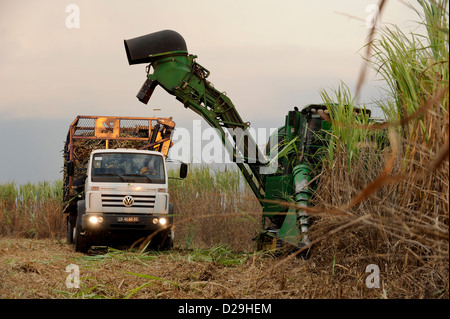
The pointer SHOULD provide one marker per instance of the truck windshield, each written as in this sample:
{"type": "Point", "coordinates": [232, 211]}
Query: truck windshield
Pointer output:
{"type": "Point", "coordinates": [128, 167]}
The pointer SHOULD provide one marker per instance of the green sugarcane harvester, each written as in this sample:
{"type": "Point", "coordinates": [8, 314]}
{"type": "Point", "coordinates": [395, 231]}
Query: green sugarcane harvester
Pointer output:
{"type": "Point", "coordinates": [298, 142]}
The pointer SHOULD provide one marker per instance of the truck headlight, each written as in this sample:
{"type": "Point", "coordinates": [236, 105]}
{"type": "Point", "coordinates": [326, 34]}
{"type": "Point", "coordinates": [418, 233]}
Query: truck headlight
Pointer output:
{"type": "Point", "coordinates": [161, 220]}
{"type": "Point", "coordinates": [95, 219]}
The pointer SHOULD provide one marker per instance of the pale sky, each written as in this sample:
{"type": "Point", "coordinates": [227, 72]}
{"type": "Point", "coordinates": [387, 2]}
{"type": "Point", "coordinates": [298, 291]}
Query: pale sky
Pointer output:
{"type": "Point", "coordinates": [269, 56]}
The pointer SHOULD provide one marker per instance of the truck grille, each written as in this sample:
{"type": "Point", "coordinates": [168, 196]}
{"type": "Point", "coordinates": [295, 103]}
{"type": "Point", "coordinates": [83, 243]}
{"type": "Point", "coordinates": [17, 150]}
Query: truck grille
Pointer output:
{"type": "Point", "coordinates": [117, 201]}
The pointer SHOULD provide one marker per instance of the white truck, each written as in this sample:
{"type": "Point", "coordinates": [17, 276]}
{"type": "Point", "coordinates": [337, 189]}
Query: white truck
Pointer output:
{"type": "Point", "coordinates": [116, 183]}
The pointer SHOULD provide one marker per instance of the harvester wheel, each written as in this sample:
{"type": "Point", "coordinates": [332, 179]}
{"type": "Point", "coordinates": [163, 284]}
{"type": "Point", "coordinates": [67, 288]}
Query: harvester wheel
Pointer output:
{"type": "Point", "coordinates": [265, 242]}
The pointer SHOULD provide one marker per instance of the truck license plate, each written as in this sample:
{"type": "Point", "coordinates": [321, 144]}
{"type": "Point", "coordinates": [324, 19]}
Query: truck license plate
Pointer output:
{"type": "Point", "coordinates": [128, 219]}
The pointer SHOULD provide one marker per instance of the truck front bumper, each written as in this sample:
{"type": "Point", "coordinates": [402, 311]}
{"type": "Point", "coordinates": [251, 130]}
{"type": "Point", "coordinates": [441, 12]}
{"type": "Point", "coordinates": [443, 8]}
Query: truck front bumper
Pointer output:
{"type": "Point", "coordinates": [126, 222]}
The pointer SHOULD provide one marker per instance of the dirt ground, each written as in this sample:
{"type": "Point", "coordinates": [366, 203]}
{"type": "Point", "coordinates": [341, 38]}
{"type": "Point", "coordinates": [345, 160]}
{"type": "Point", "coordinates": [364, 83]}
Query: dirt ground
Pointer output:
{"type": "Point", "coordinates": [36, 269]}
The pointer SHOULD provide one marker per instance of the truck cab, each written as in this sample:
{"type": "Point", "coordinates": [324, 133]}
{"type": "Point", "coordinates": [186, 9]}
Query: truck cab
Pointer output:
{"type": "Point", "coordinates": [116, 182]}
{"type": "Point", "coordinates": [125, 194]}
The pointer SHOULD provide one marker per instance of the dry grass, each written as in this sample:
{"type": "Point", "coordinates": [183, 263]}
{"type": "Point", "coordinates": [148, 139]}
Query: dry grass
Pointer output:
{"type": "Point", "coordinates": [391, 206]}
{"type": "Point", "coordinates": [214, 208]}
{"type": "Point", "coordinates": [31, 210]}
{"type": "Point", "coordinates": [408, 243]}
{"type": "Point", "coordinates": [36, 269]}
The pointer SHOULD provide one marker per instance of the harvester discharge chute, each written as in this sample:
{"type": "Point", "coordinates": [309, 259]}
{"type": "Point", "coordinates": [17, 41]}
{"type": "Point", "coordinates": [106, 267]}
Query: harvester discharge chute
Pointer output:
{"type": "Point", "coordinates": [298, 142]}
{"type": "Point", "coordinates": [177, 72]}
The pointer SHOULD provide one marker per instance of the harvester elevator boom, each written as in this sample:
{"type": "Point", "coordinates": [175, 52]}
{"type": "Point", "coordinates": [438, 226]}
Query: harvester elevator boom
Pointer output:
{"type": "Point", "coordinates": [180, 75]}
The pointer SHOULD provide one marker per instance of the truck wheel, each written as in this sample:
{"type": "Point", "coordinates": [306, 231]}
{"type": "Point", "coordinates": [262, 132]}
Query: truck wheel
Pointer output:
{"type": "Point", "coordinates": [70, 229]}
{"type": "Point", "coordinates": [82, 242]}
{"type": "Point", "coordinates": [166, 237]}
{"type": "Point", "coordinates": [166, 240]}
{"type": "Point", "coordinates": [163, 240]}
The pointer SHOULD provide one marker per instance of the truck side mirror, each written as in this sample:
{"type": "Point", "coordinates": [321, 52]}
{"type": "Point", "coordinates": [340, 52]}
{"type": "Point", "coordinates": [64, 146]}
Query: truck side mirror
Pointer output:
{"type": "Point", "coordinates": [183, 170]}
{"type": "Point", "coordinates": [70, 168]}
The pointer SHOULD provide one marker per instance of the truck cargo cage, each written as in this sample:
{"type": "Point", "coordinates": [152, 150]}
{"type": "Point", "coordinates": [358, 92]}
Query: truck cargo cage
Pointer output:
{"type": "Point", "coordinates": [87, 133]}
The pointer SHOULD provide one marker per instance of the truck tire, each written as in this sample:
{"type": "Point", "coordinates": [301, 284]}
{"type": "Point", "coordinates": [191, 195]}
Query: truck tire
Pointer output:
{"type": "Point", "coordinates": [163, 240]}
{"type": "Point", "coordinates": [166, 241]}
{"type": "Point", "coordinates": [71, 222]}
{"type": "Point", "coordinates": [168, 236]}
{"type": "Point", "coordinates": [81, 241]}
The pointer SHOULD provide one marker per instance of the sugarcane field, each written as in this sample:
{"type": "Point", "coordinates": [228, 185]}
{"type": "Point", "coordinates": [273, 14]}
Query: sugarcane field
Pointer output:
{"type": "Point", "coordinates": [222, 158]}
